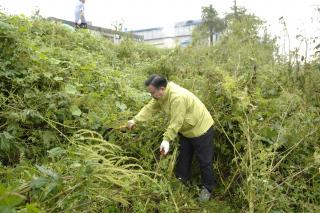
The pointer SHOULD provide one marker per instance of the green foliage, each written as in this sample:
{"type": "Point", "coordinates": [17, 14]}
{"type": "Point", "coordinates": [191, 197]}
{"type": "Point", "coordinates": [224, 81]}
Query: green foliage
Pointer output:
{"type": "Point", "coordinates": [58, 82]}
{"type": "Point", "coordinates": [64, 95]}
{"type": "Point", "coordinates": [266, 125]}
{"type": "Point", "coordinates": [9, 199]}
{"type": "Point", "coordinates": [211, 23]}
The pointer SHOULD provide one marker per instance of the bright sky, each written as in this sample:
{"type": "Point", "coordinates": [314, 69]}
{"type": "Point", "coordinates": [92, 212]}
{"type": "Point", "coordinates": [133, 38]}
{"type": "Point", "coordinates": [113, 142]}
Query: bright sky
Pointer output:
{"type": "Point", "coordinates": [300, 15]}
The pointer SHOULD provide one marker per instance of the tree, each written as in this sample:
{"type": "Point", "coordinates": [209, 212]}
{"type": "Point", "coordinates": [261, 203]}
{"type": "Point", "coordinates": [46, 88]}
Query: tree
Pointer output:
{"type": "Point", "coordinates": [211, 22]}
{"type": "Point", "coordinates": [237, 13]}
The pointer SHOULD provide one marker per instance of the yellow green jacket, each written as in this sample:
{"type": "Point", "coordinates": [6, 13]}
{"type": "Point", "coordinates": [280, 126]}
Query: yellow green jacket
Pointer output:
{"type": "Point", "coordinates": [188, 115]}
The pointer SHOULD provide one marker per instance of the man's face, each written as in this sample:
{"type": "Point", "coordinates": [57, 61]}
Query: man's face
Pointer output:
{"type": "Point", "coordinates": [156, 93]}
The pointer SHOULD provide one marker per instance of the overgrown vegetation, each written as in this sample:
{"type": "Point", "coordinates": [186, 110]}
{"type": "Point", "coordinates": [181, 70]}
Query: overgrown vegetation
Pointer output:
{"type": "Point", "coordinates": [64, 95]}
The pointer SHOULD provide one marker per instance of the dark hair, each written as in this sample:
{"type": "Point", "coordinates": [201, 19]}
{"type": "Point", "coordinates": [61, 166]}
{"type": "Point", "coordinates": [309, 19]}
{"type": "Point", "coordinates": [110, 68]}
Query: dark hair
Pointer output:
{"type": "Point", "coordinates": [157, 81]}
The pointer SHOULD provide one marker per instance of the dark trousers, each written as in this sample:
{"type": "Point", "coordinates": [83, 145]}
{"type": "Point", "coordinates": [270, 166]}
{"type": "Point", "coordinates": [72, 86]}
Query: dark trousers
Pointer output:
{"type": "Point", "coordinates": [202, 146]}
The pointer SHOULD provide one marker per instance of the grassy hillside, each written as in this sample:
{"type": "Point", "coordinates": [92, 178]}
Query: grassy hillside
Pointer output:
{"type": "Point", "coordinates": [64, 94]}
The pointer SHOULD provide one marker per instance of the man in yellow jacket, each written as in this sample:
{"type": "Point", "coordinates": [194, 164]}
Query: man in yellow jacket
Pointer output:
{"type": "Point", "coordinates": [189, 119]}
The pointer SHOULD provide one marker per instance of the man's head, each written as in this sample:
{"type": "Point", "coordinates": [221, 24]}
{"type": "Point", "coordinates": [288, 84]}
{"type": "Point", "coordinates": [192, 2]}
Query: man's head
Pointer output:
{"type": "Point", "coordinates": [83, 1]}
{"type": "Point", "coordinates": [156, 85]}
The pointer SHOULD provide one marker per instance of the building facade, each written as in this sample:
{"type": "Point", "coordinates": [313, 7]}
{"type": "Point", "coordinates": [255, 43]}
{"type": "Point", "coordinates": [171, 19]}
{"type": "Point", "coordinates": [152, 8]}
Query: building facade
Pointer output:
{"type": "Point", "coordinates": [167, 37]}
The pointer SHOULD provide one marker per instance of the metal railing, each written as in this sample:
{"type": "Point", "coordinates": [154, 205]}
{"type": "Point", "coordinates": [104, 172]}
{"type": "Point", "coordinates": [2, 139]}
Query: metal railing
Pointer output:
{"type": "Point", "coordinates": [109, 33]}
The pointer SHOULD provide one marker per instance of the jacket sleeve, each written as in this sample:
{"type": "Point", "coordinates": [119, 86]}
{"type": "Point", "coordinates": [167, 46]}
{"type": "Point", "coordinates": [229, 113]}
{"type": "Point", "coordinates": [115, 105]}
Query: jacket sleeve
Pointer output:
{"type": "Point", "coordinates": [177, 116]}
{"type": "Point", "coordinates": [147, 111]}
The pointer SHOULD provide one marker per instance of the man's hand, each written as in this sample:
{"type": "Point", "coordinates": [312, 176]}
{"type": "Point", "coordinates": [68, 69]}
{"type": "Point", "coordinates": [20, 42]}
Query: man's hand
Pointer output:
{"type": "Point", "coordinates": [164, 147]}
{"type": "Point", "coordinates": [131, 124]}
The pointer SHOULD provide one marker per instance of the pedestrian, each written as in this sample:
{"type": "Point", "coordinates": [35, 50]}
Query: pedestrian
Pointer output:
{"type": "Point", "coordinates": [80, 20]}
{"type": "Point", "coordinates": [190, 120]}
